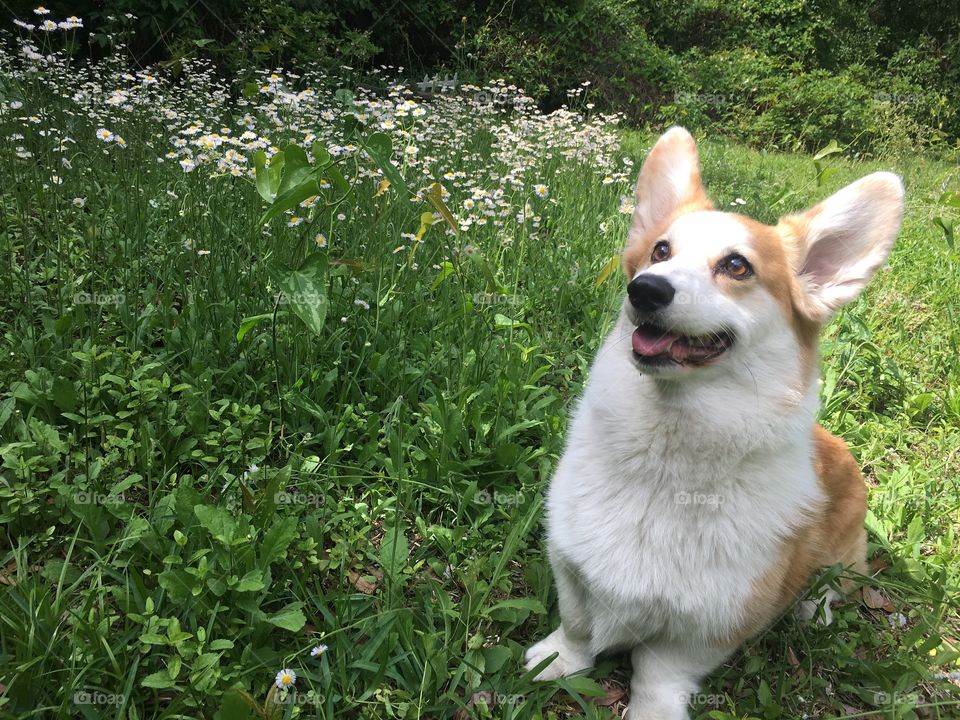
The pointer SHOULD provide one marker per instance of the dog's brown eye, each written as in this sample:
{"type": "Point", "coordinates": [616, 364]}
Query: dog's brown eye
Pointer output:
{"type": "Point", "coordinates": [661, 251]}
{"type": "Point", "coordinates": [736, 266]}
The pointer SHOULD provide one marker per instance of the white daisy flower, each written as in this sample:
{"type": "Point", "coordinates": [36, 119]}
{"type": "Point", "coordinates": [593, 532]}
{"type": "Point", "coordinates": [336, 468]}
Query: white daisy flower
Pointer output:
{"type": "Point", "coordinates": [285, 679]}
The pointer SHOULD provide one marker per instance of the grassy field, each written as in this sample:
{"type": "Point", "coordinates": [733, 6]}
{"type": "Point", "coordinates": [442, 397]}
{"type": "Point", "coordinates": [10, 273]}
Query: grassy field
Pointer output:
{"type": "Point", "coordinates": [353, 489]}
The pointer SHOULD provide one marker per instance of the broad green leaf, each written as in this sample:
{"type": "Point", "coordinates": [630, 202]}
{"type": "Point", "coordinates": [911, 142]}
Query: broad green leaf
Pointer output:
{"type": "Point", "coordinates": [305, 403]}
{"type": "Point", "coordinates": [291, 198]}
{"type": "Point", "coordinates": [175, 634]}
{"type": "Point", "coordinates": [606, 270]}
{"type": "Point", "coordinates": [763, 694]}
{"type": "Point", "coordinates": [824, 172]}
{"type": "Point", "coordinates": [236, 705]}
{"type": "Point", "coordinates": [177, 583]}
{"type": "Point", "coordinates": [831, 149]}
{"type": "Point", "coordinates": [268, 176]}
{"type": "Point", "coordinates": [345, 98]}
{"type": "Point", "coordinates": [948, 230]}
{"type": "Point", "coordinates": [531, 604]}
{"type": "Point", "coordinates": [446, 269]}
{"type": "Point", "coordinates": [64, 394]}
{"type": "Point", "coordinates": [217, 586]}
{"type": "Point", "coordinates": [251, 89]}
{"type": "Point", "coordinates": [60, 571]}
{"type": "Point", "coordinates": [379, 147]}
{"type": "Point", "coordinates": [276, 540]}
{"type": "Point", "coordinates": [290, 618]}
{"type": "Point", "coordinates": [305, 290]}
{"type": "Point", "coordinates": [248, 323]}
{"type": "Point", "coordinates": [153, 639]}
{"type": "Point", "coordinates": [321, 156]}
{"type": "Point", "coordinates": [394, 551]}
{"type": "Point", "coordinates": [296, 169]}
{"type": "Point", "coordinates": [337, 179]}
{"type": "Point", "coordinates": [218, 521]}
{"type": "Point", "coordinates": [582, 685]}
{"type": "Point", "coordinates": [6, 410]}
{"type": "Point", "coordinates": [502, 321]}
{"type": "Point", "coordinates": [783, 196]}
{"type": "Point", "coordinates": [496, 657]}
{"type": "Point", "coordinates": [251, 582]}
{"type": "Point", "coordinates": [262, 176]}
{"type": "Point", "coordinates": [158, 680]}
{"type": "Point", "coordinates": [275, 172]}
{"type": "Point", "coordinates": [876, 527]}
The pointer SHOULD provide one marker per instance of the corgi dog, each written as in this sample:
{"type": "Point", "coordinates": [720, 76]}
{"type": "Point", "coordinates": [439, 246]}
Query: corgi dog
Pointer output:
{"type": "Point", "coordinates": [697, 496]}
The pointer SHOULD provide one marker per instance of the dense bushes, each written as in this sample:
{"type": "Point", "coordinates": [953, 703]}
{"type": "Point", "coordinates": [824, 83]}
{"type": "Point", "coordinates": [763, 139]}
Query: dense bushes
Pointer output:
{"type": "Point", "coordinates": [877, 75]}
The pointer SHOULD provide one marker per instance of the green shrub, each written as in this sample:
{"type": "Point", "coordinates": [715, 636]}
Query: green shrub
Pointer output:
{"type": "Point", "coordinates": [810, 109]}
{"type": "Point", "coordinates": [600, 40]}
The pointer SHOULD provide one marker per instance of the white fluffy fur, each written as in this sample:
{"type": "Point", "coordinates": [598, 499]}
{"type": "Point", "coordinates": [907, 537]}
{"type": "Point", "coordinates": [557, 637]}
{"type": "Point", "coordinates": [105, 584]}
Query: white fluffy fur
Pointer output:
{"type": "Point", "coordinates": [677, 485]}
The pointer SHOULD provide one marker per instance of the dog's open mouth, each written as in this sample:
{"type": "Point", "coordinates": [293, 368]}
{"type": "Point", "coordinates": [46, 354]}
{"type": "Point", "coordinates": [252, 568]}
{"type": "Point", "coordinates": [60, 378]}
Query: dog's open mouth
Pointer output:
{"type": "Point", "coordinates": [653, 344]}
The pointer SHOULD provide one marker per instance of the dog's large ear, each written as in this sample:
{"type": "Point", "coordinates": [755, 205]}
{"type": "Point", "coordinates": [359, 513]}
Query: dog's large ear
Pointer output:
{"type": "Point", "coordinates": [837, 245]}
{"type": "Point", "coordinates": [669, 180]}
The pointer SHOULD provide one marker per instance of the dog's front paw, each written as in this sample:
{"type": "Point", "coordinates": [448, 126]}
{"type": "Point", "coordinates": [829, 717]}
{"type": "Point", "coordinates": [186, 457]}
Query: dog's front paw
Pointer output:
{"type": "Point", "coordinates": [572, 656]}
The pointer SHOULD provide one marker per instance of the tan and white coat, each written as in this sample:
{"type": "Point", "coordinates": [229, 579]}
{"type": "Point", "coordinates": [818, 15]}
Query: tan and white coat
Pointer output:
{"type": "Point", "coordinates": [692, 505]}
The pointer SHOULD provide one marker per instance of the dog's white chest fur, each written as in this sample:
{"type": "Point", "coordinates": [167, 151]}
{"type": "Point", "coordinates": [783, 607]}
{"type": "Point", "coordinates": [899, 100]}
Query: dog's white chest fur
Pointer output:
{"type": "Point", "coordinates": [667, 504]}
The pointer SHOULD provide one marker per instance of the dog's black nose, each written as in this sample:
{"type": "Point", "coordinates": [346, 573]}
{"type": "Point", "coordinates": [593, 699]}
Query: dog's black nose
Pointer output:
{"type": "Point", "coordinates": [649, 292]}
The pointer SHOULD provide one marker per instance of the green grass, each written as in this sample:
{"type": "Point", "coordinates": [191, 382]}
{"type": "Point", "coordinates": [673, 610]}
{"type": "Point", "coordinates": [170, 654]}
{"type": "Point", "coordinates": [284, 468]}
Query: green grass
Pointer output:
{"type": "Point", "coordinates": [182, 513]}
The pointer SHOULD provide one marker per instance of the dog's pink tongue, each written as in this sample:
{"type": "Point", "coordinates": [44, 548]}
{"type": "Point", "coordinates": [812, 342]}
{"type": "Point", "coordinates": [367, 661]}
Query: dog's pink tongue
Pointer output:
{"type": "Point", "coordinates": [650, 344]}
